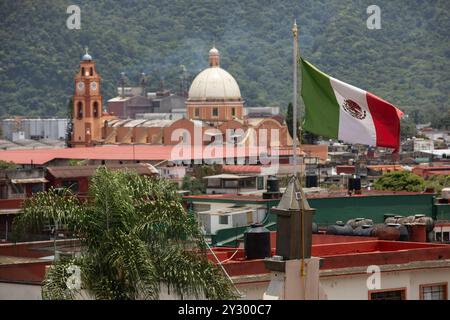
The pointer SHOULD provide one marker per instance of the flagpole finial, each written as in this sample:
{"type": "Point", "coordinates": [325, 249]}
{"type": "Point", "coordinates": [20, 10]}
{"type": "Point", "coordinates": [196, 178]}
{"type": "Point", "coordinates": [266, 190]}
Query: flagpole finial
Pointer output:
{"type": "Point", "coordinates": [294, 28]}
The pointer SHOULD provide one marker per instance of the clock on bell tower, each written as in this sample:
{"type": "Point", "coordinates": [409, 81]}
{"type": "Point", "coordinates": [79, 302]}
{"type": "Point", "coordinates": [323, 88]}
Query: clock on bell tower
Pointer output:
{"type": "Point", "coordinates": [87, 104]}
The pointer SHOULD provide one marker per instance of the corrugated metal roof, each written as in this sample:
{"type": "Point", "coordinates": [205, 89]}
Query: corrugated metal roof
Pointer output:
{"type": "Point", "coordinates": [88, 171]}
{"type": "Point", "coordinates": [156, 123]}
{"type": "Point", "coordinates": [133, 123]}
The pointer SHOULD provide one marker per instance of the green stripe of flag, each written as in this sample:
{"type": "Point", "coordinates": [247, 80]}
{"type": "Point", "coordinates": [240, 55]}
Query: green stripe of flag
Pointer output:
{"type": "Point", "coordinates": [322, 108]}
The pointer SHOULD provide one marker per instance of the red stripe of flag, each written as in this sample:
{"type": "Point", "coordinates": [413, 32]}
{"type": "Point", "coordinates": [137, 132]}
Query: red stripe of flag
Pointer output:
{"type": "Point", "coordinates": [386, 118]}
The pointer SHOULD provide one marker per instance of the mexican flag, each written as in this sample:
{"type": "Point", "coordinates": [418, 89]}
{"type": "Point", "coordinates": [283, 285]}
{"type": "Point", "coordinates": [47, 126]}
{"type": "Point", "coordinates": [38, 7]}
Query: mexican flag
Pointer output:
{"type": "Point", "coordinates": [335, 109]}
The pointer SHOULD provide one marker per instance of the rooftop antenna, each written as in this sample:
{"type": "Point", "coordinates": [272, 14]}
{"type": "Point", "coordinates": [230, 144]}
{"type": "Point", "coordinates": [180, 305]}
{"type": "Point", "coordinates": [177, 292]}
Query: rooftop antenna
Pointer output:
{"type": "Point", "coordinates": [122, 83]}
{"type": "Point", "coordinates": [143, 83]}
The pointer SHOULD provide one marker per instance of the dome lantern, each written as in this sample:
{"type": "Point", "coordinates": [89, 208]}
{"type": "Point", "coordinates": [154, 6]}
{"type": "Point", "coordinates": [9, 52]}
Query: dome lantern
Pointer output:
{"type": "Point", "coordinates": [214, 57]}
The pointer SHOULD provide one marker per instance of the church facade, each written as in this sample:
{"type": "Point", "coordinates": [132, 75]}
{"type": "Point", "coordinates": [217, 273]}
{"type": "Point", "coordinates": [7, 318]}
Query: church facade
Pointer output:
{"type": "Point", "coordinates": [214, 110]}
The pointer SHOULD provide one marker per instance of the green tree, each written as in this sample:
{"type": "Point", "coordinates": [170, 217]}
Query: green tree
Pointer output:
{"type": "Point", "coordinates": [407, 129]}
{"type": "Point", "coordinates": [438, 182]}
{"type": "Point", "coordinates": [135, 235]}
{"type": "Point", "coordinates": [7, 165]}
{"type": "Point", "coordinates": [400, 181]}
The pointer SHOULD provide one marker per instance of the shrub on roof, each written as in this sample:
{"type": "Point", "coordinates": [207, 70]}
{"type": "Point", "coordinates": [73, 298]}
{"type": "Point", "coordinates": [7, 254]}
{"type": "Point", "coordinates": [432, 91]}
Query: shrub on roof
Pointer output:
{"type": "Point", "coordinates": [400, 181]}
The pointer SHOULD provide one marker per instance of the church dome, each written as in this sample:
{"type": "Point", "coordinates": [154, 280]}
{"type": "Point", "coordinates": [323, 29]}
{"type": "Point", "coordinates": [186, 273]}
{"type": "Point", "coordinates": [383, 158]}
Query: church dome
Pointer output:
{"type": "Point", "coordinates": [214, 83]}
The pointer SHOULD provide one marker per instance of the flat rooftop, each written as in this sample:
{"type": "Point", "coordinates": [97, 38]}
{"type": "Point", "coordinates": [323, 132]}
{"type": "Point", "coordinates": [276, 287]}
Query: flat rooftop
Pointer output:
{"type": "Point", "coordinates": [343, 252]}
{"type": "Point", "coordinates": [312, 195]}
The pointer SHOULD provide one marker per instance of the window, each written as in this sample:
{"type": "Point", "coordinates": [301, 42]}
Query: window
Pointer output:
{"type": "Point", "coordinates": [436, 291]}
{"type": "Point", "coordinates": [249, 217]}
{"type": "Point", "coordinates": [82, 71]}
{"type": "Point", "coordinates": [95, 112]}
{"type": "Point", "coordinates": [17, 188]}
{"type": "Point", "coordinates": [399, 294]}
{"type": "Point", "coordinates": [233, 112]}
{"type": "Point", "coordinates": [70, 184]}
{"type": "Point", "coordinates": [38, 187]}
{"type": "Point", "coordinates": [260, 183]}
{"type": "Point", "coordinates": [215, 112]}
{"type": "Point", "coordinates": [91, 71]}
{"type": "Point", "coordinates": [80, 110]}
{"type": "Point", "coordinates": [230, 184]}
{"type": "Point", "coordinates": [196, 112]}
{"type": "Point", "coordinates": [445, 236]}
{"type": "Point", "coordinates": [223, 219]}
{"type": "Point", "coordinates": [438, 236]}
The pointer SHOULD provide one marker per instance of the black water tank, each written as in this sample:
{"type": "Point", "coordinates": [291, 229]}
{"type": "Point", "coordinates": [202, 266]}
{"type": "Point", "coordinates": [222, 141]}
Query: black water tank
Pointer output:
{"type": "Point", "coordinates": [354, 183]}
{"type": "Point", "coordinates": [257, 242]}
{"type": "Point", "coordinates": [311, 181]}
{"type": "Point", "coordinates": [273, 184]}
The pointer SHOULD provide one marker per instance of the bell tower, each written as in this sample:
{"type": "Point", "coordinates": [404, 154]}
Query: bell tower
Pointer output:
{"type": "Point", "coordinates": [87, 104]}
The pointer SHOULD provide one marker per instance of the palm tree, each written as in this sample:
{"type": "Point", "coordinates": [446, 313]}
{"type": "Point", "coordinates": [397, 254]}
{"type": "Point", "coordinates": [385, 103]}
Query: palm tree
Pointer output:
{"type": "Point", "coordinates": [136, 239]}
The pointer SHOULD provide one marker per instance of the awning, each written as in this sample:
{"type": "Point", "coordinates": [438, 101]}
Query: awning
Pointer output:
{"type": "Point", "coordinates": [227, 176]}
{"type": "Point", "coordinates": [29, 180]}
{"type": "Point", "coordinates": [9, 211]}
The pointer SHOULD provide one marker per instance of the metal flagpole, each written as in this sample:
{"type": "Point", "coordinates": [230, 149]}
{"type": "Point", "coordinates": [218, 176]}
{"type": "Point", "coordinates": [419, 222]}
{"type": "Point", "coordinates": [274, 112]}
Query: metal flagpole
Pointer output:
{"type": "Point", "coordinates": [300, 175]}
{"type": "Point", "coordinates": [294, 98]}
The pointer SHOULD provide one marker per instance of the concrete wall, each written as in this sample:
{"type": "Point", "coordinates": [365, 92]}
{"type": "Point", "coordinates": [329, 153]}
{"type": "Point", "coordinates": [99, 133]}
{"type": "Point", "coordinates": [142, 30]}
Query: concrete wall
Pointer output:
{"type": "Point", "coordinates": [15, 291]}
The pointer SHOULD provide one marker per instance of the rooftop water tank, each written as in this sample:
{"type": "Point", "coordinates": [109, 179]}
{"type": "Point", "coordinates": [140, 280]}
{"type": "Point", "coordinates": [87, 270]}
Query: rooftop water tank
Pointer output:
{"type": "Point", "coordinates": [311, 181]}
{"type": "Point", "coordinates": [354, 184]}
{"type": "Point", "coordinates": [273, 184]}
{"type": "Point", "coordinates": [257, 242]}
{"type": "Point", "coordinates": [445, 193]}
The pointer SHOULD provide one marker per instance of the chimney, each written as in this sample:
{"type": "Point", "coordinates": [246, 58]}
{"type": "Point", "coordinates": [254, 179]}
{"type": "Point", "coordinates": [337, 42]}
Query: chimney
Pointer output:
{"type": "Point", "coordinates": [294, 223]}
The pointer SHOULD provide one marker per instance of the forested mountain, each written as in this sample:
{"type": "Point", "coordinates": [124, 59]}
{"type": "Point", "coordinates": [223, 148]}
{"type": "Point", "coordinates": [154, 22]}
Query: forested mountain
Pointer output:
{"type": "Point", "coordinates": [406, 62]}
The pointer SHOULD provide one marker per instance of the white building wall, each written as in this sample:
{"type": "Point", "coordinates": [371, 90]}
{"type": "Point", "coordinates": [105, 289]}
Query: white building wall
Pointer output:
{"type": "Point", "coordinates": [15, 291]}
{"type": "Point", "coordinates": [355, 287]}
{"type": "Point", "coordinates": [351, 287]}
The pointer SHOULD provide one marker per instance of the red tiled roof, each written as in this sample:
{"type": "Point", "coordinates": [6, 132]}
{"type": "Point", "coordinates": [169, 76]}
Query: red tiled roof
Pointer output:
{"type": "Point", "coordinates": [438, 172]}
{"type": "Point", "coordinates": [138, 152]}
{"type": "Point", "coordinates": [88, 171]}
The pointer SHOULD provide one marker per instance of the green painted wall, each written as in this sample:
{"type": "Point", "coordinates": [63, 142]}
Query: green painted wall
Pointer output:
{"type": "Point", "coordinates": [328, 210]}
{"type": "Point", "coordinates": [442, 211]}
